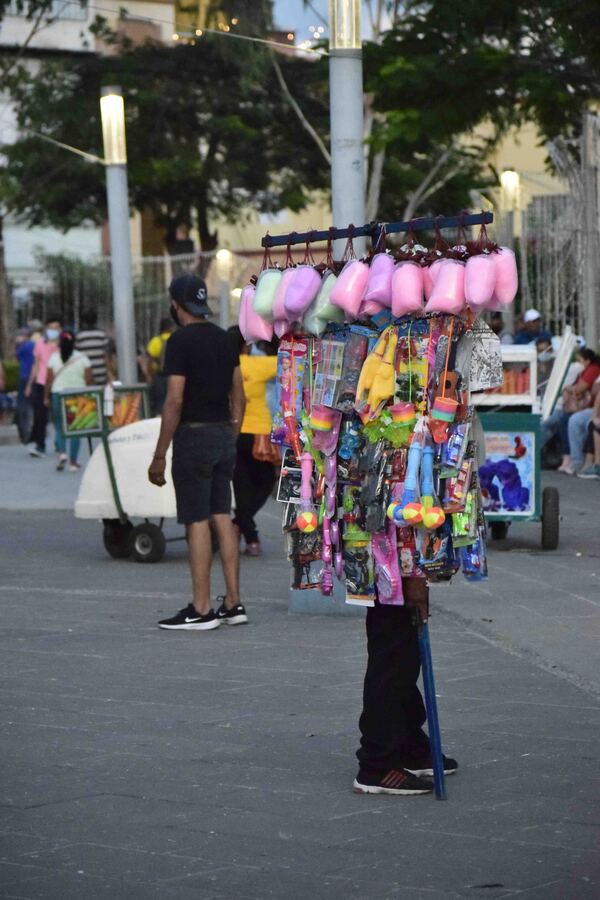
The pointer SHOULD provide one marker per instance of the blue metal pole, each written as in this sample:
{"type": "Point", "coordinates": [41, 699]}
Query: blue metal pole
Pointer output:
{"type": "Point", "coordinates": [435, 738]}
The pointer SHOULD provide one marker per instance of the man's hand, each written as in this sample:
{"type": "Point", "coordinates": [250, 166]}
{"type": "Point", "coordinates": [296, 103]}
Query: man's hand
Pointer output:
{"type": "Point", "coordinates": [156, 472]}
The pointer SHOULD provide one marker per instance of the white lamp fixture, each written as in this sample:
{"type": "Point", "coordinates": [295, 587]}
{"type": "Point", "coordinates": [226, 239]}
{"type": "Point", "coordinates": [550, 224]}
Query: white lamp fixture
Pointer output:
{"type": "Point", "coordinates": [112, 111]}
{"type": "Point", "coordinates": [224, 259]}
{"type": "Point", "coordinates": [510, 180]}
{"type": "Point", "coordinates": [344, 25]}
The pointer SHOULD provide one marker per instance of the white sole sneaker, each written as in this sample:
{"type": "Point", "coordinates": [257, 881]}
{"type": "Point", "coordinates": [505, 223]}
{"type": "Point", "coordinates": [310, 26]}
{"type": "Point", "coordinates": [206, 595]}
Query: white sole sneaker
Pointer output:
{"type": "Point", "coordinates": [420, 773]}
{"type": "Point", "coordinates": [235, 620]}
{"type": "Point", "coordinates": [192, 626]}
{"type": "Point", "coordinates": [376, 789]}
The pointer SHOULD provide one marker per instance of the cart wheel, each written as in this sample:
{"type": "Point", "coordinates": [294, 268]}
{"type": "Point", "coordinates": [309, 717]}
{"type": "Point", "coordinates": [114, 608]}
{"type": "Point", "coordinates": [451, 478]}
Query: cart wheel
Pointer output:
{"type": "Point", "coordinates": [550, 518]}
{"type": "Point", "coordinates": [147, 543]}
{"type": "Point", "coordinates": [499, 530]}
{"type": "Point", "coordinates": [116, 537]}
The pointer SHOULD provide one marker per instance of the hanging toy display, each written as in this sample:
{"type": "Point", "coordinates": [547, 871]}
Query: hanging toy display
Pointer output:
{"type": "Point", "coordinates": [380, 473]}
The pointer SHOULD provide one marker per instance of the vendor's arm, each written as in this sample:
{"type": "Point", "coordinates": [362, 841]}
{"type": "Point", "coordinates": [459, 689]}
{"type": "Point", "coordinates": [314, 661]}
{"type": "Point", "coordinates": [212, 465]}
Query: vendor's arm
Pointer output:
{"type": "Point", "coordinates": [237, 400]}
{"type": "Point", "coordinates": [171, 415]}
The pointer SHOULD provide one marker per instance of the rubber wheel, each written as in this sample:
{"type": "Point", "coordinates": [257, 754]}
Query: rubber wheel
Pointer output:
{"type": "Point", "coordinates": [116, 537]}
{"type": "Point", "coordinates": [499, 530]}
{"type": "Point", "coordinates": [550, 518]}
{"type": "Point", "coordinates": [147, 543]}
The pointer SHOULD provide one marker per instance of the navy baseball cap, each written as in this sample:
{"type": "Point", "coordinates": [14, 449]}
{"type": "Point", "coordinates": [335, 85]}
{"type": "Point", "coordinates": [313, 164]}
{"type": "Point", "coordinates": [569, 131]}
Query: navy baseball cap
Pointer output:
{"type": "Point", "coordinates": [190, 292]}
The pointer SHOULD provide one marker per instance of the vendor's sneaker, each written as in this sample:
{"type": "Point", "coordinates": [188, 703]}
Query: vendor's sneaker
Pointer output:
{"type": "Point", "coordinates": [235, 616]}
{"type": "Point", "coordinates": [589, 472]}
{"type": "Point", "coordinates": [396, 781]}
{"type": "Point", "coordinates": [189, 619]}
{"type": "Point", "coordinates": [37, 451]}
{"type": "Point", "coordinates": [62, 461]}
{"type": "Point", "coordinates": [74, 466]}
{"type": "Point", "coordinates": [421, 764]}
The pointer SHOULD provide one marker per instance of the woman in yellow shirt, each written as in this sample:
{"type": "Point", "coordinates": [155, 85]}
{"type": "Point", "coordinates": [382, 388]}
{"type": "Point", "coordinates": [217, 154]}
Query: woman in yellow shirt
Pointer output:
{"type": "Point", "coordinates": [253, 478]}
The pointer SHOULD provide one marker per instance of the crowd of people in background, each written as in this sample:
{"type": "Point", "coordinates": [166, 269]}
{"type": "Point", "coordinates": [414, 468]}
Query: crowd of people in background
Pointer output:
{"type": "Point", "coordinates": [51, 357]}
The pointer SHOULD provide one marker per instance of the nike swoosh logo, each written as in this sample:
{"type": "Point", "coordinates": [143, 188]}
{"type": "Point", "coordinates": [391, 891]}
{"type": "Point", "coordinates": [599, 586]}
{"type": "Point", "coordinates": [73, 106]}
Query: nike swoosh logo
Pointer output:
{"type": "Point", "coordinates": [189, 621]}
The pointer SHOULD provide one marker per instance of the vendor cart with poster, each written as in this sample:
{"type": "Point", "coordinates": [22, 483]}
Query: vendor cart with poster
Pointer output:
{"type": "Point", "coordinates": [510, 476]}
{"type": "Point", "coordinates": [114, 489]}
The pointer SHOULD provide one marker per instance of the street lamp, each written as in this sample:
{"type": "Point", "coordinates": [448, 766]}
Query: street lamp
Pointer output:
{"type": "Point", "coordinates": [347, 117]}
{"type": "Point", "coordinates": [510, 199]}
{"type": "Point", "coordinates": [112, 111]}
{"type": "Point", "coordinates": [510, 181]}
{"type": "Point", "coordinates": [224, 260]}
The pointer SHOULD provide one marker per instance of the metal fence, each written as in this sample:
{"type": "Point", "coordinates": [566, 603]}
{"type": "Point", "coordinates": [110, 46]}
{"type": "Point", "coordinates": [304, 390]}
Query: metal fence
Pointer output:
{"type": "Point", "coordinates": [66, 286]}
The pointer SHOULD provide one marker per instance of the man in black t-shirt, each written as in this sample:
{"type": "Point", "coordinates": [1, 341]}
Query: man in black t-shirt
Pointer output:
{"type": "Point", "coordinates": [202, 415]}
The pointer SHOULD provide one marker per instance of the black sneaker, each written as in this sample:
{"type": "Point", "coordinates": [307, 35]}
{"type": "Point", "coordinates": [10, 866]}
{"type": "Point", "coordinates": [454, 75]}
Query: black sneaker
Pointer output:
{"type": "Point", "coordinates": [422, 764]}
{"type": "Point", "coordinates": [235, 616]}
{"type": "Point", "coordinates": [396, 781]}
{"type": "Point", "coordinates": [189, 619]}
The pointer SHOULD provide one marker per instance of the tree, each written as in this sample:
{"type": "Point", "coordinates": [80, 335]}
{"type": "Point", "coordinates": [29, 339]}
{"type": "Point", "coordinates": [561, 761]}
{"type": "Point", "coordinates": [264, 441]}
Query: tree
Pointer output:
{"type": "Point", "coordinates": [208, 132]}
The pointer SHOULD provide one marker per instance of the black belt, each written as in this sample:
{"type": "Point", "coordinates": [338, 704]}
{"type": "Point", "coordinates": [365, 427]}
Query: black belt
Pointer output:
{"type": "Point", "coordinates": [200, 424]}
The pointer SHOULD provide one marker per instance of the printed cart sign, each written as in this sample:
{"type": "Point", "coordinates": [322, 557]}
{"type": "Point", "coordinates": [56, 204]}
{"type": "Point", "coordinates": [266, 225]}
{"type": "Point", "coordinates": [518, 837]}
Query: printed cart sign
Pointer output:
{"type": "Point", "coordinates": [82, 412]}
{"type": "Point", "coordinates": [508, 476]}
{"type": "Point", "coordinates": [130, 405]}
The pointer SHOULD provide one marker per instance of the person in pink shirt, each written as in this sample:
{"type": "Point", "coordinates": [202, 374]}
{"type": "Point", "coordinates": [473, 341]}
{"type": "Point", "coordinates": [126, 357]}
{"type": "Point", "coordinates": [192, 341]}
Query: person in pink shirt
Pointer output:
{"type": "Point", "coordinates": [43, 350]}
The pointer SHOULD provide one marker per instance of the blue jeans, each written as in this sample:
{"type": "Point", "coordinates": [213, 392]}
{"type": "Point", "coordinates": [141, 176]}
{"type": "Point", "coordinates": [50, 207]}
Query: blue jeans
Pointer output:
{"type": "Point", "coordinates": [558, 421]}
{"type": "Point", "coordinates": [578, 429]}
{"type": "Point", "coordinates": [59, 438]}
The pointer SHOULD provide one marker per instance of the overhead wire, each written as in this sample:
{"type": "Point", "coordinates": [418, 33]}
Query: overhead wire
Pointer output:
{"type": "Point", "coordinates": [317, 51]}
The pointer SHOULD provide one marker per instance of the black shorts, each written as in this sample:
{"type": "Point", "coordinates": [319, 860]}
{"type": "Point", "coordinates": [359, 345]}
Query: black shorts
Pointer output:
{"type": "Point", "coordinates": [203, 463]}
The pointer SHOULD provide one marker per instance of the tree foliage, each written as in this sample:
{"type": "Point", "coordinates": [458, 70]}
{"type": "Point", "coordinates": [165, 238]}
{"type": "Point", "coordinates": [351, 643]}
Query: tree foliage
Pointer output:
{"type": "Point", "coordinates": [208, 134]}
{"type": "Point", "coordinates": [439, 73]}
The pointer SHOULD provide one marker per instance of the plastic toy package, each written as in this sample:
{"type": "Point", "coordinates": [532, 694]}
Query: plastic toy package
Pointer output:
{"type": "Point", "coordinates": [380, 478]}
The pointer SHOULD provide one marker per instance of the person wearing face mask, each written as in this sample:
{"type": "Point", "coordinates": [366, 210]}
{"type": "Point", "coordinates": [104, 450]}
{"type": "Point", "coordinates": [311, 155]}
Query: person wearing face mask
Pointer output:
{"type": "Point", "coordinates": [43, 350]}
{"type": "Point", "coordinates": [202, 415]}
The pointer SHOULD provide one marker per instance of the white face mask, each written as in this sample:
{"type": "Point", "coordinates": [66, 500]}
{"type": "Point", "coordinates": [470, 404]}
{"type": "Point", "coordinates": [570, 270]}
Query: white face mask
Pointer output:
{"type": "Point", "coordinates": [52, 333]}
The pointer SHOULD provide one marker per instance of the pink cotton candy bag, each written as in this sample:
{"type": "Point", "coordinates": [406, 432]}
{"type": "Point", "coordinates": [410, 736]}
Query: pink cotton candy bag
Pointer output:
{"type": "Point", "coordinates": [379, 285]}
{"type": "Point", "coordinates": [407, 288]}
{"type": "Point", "coordinates": [252, 326]}
{"type": "Point", "coordinates": [480, 279]}
{"type": "Point", "coordinates": [448, 294]}
{"type": "Point", "coordinates": [350, 288]}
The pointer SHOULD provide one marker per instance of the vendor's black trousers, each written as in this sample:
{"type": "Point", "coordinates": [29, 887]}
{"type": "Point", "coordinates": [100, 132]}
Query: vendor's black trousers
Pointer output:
{"type": "Point", "coordinates": [253, 481]}
{"type": "Point", "coordinates": [393, 710]}
{"type": "Point", "coordinates": [40, 417]}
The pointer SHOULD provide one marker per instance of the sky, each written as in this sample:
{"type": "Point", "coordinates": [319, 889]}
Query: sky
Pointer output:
{"type": "Point", "coordinates": [291, 14]}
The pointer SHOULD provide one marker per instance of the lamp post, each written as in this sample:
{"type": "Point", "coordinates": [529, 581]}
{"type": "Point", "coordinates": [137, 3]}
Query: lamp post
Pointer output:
{"type": "Point", "coordinates": [347, 118]}
{"type": "Point", "coordinates": [510, 203]}
{"type": "Point", "coordinates": [112, 112]}
{"type": "Point", "coordinates": [224, 259]}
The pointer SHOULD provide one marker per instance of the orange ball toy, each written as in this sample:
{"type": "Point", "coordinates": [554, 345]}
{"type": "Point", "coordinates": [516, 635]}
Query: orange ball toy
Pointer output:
{"type": "Point", "coordinates": [307, 521]}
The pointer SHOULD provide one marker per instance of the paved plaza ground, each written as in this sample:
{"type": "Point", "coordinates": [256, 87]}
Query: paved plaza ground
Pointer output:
{"type": "Point", "coordinates": [138, 764]}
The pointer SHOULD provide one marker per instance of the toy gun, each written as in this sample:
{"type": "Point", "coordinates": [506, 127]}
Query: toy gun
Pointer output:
{"type": "Point", "coordinates": [291, 427]}
{"type": "Point", "coordinates": [307, 519]}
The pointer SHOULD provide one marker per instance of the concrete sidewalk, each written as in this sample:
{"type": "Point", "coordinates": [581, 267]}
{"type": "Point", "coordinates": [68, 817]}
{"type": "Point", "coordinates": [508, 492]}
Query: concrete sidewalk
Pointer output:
{"type": "Point", "coordinates": [139, 764]}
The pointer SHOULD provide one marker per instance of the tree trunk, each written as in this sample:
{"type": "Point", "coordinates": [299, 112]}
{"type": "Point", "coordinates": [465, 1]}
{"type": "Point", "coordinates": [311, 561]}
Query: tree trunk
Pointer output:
{"type": "Point", "coordinates": [6, 310]}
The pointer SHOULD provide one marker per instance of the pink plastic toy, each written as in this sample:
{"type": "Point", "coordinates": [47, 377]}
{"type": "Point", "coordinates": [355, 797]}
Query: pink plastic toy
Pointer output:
{"type": "Point", "coordinates": [507, 278]}
{"type": "Point", "coordinates": [253, 326]}
{"type": "Point", "coordinates": [302, 289]}
{"type": "Point", "coordinates": [379, 285]}
{"type": "Point", "coordinates": [350, 287]}
{"type": "Point", "coordinates": [430, 274]}
{"type": "Point", "coordinates": [480, 278]}
{"type": "Point", "coordinates": [387, 569]}
{"type": "Point", "coordinates": [448, 294]}
{"type": "Point", "coordinates": [407, 288]}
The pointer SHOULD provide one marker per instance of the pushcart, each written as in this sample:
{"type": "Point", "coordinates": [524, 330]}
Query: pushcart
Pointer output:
{"type": "Point", "coordinates": [510, 477]}
{"type": "Point", "coordinates": [114, 488]}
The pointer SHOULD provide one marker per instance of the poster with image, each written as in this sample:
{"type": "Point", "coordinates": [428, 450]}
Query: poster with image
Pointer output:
{"type": "Point", "coordinates": [508, 476]}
